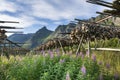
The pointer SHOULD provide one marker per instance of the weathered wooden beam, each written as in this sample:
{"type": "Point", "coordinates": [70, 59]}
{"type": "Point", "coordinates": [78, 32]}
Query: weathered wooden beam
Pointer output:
{"type": "Point", "coordinates": [63, 33]}
{"type": "Point", "coordinates": [13, 43]}
{"type": "Point", "coordinates": [105, 49]}
{"type": "Point", "coordinates": [99, 2]}
{"type": "Point", "coordinates": [79, 46]}
{"type": "Point", "coordinates": [101, 13]}
{"type": "Point", "coordinates": [89, 48]}
{"type": "Point", "coordinates": [63, 51]}
{"type": "Point", "coordinates": [8, 22]}
{"type": "Point", "coordinates": [10, 27]}
{"type": "Point", "coordinates": [104, 19]}
{"type": "Point", "coordinates": [105, 2]}
{"type": "Point", "coordinates": [97, 22]}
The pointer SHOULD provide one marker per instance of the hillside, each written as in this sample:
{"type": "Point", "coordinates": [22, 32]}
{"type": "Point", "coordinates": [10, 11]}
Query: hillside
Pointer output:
{"type": "Point", "coordinates": [37, 38]}
{"type": "Point", "coordinates": [60, 29]}
{"type": "Point", "coordinates": [21, 38]}
{"type": "Point", "coordinates": [43, 34]}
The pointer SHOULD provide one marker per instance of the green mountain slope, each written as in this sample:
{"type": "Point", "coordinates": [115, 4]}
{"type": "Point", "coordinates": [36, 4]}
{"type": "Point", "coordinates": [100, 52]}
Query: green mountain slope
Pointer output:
{"type": "Point", "coordinates": [20, 37]}
{"type": "Point", "coordinates": [61, 29]}
{"type": "Point", "coordinates": [37, 38]}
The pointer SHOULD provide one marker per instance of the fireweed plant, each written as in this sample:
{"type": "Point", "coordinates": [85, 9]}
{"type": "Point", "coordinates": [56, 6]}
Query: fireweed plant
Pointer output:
{"type": "Point", "coordinates": [51, 65]}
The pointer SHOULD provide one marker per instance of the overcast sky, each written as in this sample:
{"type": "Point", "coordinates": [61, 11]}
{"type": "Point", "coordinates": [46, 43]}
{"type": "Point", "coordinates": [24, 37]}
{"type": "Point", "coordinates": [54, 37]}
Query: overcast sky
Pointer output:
{"type": "Point", "coordinates": [34, 14]}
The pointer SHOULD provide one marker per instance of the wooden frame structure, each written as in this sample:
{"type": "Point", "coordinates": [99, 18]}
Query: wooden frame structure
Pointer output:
{"type": "Point", "coordinates": [7, 46]}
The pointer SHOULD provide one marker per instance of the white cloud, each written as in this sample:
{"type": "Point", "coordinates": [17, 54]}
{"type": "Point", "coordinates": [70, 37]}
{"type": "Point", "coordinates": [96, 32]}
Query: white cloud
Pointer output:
{"type": "Point", "coordinates": [46, 9]}
{"type": "Point", "coordinates": [7, 6]}
{"type": "Point", "coordinates": [52, 9]}
{"type": "Point", "coordinates": [59, 9]}
{"type": "Point", "coordinates": [57, 22]}
{"type": "Point", "coordinates": [24, 21]}
{"type": "Point", "coordinates": [62, 9]}
{"type": "Point", "coordinates": [24, 18]}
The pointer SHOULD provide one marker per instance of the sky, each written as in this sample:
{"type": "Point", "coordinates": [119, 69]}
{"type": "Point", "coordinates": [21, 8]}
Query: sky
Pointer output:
{"type": "Point", "coordinates": [34, 14]}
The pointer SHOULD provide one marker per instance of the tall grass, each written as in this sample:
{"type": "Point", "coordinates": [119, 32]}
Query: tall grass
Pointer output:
{"type": "Point", "coordinates": [51, 66]}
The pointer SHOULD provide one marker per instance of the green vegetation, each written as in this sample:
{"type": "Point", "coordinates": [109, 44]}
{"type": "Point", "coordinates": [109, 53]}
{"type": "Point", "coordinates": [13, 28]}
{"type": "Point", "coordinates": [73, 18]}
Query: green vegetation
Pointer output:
{"type": "Point", "coordinates": [112, 43]}
{"type": "Point", "coordinates": [54, 66]}
{"type": "Point", "coordinates": [51, 65]}
{"type": "Point", "coordinates": [20, 37]}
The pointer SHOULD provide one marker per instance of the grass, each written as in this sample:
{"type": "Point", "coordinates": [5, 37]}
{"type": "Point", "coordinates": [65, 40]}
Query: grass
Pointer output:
{"type": "Point", "coordinates": [54, 66]}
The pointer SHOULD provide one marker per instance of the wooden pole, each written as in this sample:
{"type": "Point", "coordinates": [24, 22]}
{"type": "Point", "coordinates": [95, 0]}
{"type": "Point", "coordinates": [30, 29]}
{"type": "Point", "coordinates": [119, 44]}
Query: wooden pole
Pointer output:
{"type": "Point", "coordinates": [104, 19]}
{"type": "Point", "coordinates": [96, 43]}
{"type": "Point", "coordinates": [61, 47]}
{"type": "Point", "coordinates": [79, 45]}
{"type": "Point", "coordinates": [8, 47]}
{"type": "Point", "coordinates": [89, 49]}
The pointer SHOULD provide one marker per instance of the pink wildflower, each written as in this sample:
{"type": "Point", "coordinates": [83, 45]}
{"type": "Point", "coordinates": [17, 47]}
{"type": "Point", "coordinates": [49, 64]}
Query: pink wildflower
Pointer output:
{"type": "Point", "coordinates": [93, 57]}
{"type": "Point", "coordinates": [51, 54]}
{"type": "Point", "coordinates": [83, 69]}
{"type": "Point", "coordinates": [116, 76]}
{"type": "Point", "coordinates": [100, 63]}
{"type": "Point", "coordinates": [62, 60]}
{"type": "Point", "coordinates": [108, 66]}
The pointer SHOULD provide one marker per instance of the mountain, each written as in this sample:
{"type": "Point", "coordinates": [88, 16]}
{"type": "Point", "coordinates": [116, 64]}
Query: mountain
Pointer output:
{"type": "Point", "coordinates": [61, 29]}
{"type": "Point", "coordinates": [67, 28]}
{"type": "Point", "coordinates": [21, 38]}
{"type": "Point", "coordinates": [37, 38]}
{"type": "Point", "coordinates": [43, 34]}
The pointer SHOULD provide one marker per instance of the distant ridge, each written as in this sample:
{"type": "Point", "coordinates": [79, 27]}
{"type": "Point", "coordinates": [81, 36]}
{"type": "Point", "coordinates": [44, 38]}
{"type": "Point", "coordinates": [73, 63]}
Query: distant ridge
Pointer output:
{"type": "Point", "coordinates": [21, 38]}
{"type": "Point", "coordinates": [38, 38]}
{"type": "Point", "coordinates": [43, 34]}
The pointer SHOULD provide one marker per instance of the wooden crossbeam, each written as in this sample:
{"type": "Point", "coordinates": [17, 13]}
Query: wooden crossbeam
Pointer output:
{"type": "Point", "coordinates": [8, 22]}
{"type": "Point", "coordinates": [104, 19]}
{"type": "Point", "coordinates": [99, 2]}
{"type": "Point", "coordinates": [105, 49]}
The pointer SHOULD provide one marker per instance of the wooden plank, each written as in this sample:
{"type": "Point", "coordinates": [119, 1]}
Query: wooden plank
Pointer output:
{"type": "Point", "coordinates": [81, 40]}
{"type": "Point", "coordinates": [105, 49]}
{"type": "Point", "coordinates": [63, 51]}
{"type": "Point", "coordinates": [104, 19]}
